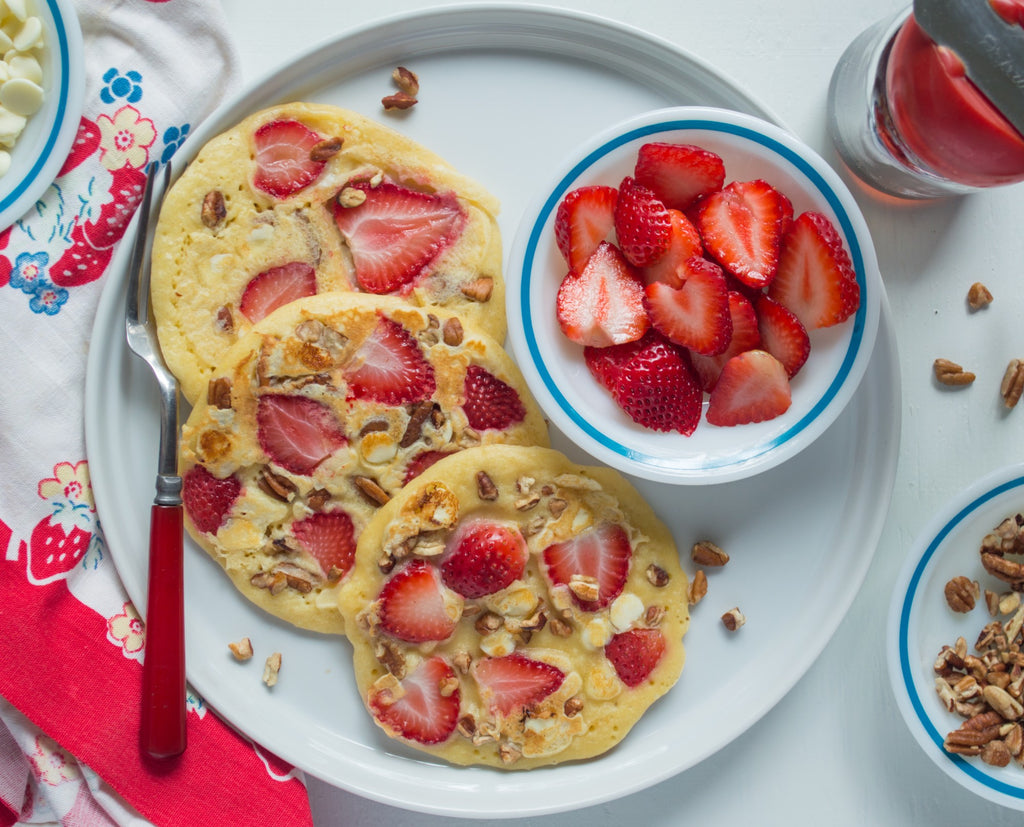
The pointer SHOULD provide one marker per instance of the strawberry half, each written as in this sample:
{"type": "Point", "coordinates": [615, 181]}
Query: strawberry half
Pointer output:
{"type": "Point", "coordinates": [602, 553]}
{"type": "Point", "coordinates": [296, 432]}
{"type": "Point", "coordinates": [276, 287]}
{"type": "Point", "coordinates": [679, 174]}
{"type": "Point", "coordinates": [283, 162]}
{"type": "Point", "coordinates": [745, 336]}
{"type": "Point", "coordinates": [421, 711]}
{"type": "Point", "coordinates": [742, 226]}
{"type": "Point", "coordinates": [816, 279]}
{"type": "Point", "coordinates": [585, 218]}
{"type": "Point", "coordinates": [412, 606]}
{"type": "Point", "coordinates": [695, 315]}
{"type": "Point", "coordinates": [483, 557]}
{"type": "Point", "coordinates": [684, 243]}
{"type": "Point", "coordinates": [782, 334]}
{"type": "Point", "coordinates": [635, 654]}
{"type": "Point", "coordinates": [515, 682]}
{"type": "Point", "coordinates": [602, 303]}
{"type": "Point", "coordinates": [642, 224]}
{"type": "Point", "coordinates": [753, 387]}
{"type": "Point", "coordinates": [397, 233]}
{"type": "Point", "coordinates": [389, 367]}
{"type": "Point", "coordinates": [207, 498]}
{"type": "Point", "coordinates": [329, 537]}
{"type": "Point", "coordinates": [606, 363]}
{"type": "Point", "coordinates": [489, 402]}
{"type": "Point", "coordinates": [657, 388]}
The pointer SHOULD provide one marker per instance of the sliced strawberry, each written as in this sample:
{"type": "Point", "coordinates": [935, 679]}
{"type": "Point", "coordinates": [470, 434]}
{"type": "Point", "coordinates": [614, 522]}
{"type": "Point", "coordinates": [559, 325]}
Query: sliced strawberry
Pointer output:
{"type": "Point", "coordinates": [745, 336]}
{"type": "Point", "coordinates": [412, 606]}
{"type": "Point", "coordinates": [605, 363]}
{"type": "Point", "coordinates": [275, 288]}
{"type": "Point", "coordinates": [695, 315]}
{"type": "Point", "coordinates": [635, 654]}
{"type": "Point", "coordinates": [816, 279]}
{"type": "Point", "coordinates": [515, 682]}
{"type": "Point", "coordinates": [283, 162]}
{"type": "Point", "coordinates": [642, 224]}
{"type": "Point", "coordinates": [742, 225]}
{"type": "Point", "coordinates": [389, 367]}
{"type": "Point", "coordinates": [585, 218]}
{"type": "Point", "coordinates": [421, 462]}
{"type": "Point", "coordinates": [483, 557]}
{"type": "Point", "coordinates": [296, 432]}
{"type": "Point", "coordinates": [658, 389]}
{"type": "Point", "coordinates": [330, 538]}
{"type": "Point", "coordinates": [426, 709]}
{"type": "Point", "coordinates": [207, 498]}
{"type": "Point", "coordinates": [602, 552]}
{"type": "Point", "coordinates": [397, 233]}
{"type": "Point", "coordinates": [684, 243]}
{"type": "Point", "coordinates": [782, 334]}
{"type": "Point", "coordinates": [753, 387]}
{"type": "Point", "coordinates": [679, 174]}
{"type": "Point", "coordinates": [602, 303]}
{"type": "Point", "coordinates": [490, 403]}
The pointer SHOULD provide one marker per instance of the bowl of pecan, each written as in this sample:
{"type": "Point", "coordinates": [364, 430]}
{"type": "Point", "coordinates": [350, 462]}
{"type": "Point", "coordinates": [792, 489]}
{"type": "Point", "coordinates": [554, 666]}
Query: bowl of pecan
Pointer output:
{"type": "Point", "coordinates": [956, 638]}
{"type": "Point", "coordinates": [693, 297]}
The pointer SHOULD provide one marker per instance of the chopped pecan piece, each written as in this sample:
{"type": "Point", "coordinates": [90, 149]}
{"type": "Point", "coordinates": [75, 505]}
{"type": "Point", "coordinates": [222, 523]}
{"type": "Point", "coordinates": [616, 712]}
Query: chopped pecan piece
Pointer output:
{"type": "Point", "coordinates": [417, 417]}
{"type": "Point", "coordinates": [242, 650]}
{"type": "Point", "coordinates": [218, 393]}
{"type": "Point", "coordinates": [214, 210]}
{"type": "Point", "coordinates": [485, 487]}
{"type": "Point", "coordinates": [950, 373]}
{"type": "Point", "coordinates": [657, 576]}
{"type": "Point", "coordinates": [406, 80]}
{"type": "Point", "coordinates": [271, 669]}
{"type": "Point", "coordinates": [399, 100]}
{"type": "Point", "coordinates": [706, 553]}
{"type": "Point", "coordinates": [1013, 383]}
{"type": "Point", "coordinates": [276, 486]}
{"type": "Point", "coordinates": [733, 619]}
{"type": "Point", "coordinates": [372, 489]}
{"type": "Point", "coordinates": [325, 150]}
{"type": "Point", "coordinates": [224, 321]}
{"type": "Point", "coordinates": [318, 498]}
{"type": "Point", "coordinates": [479, 290]}
{"type": "Point", "coordinates": [452, 332]}
{"type": "Point", "coordinates": [978, 296]}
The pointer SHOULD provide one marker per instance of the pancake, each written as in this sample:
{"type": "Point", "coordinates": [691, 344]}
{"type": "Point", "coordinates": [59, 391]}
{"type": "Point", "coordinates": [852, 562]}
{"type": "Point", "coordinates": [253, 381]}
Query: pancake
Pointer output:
{"type": "Point", "coordinates": [320, 414]}
{"type": "Point", "coordinates": [511, 608]}
{"type": "Point", "coordinates": [306, 198]}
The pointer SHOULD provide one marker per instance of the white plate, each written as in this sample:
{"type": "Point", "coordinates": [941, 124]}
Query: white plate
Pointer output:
{"type": "Point", "coordinates": [44, 145]}
{"type": "Point", "coordinates": [555, 369]}
{"type": "Point", "coordinates": [801, 538]}
{"type": "Point", "coordinates": [920, 624]}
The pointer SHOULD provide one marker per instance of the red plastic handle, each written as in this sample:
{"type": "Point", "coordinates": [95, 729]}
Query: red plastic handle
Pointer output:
{"type": "Point", "coordinates": [163, 673]}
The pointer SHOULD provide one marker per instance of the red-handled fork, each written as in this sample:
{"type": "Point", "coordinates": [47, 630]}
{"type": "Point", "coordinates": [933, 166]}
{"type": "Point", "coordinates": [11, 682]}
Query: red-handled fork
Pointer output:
{"type": "Point", "coordinates": [163, 673]}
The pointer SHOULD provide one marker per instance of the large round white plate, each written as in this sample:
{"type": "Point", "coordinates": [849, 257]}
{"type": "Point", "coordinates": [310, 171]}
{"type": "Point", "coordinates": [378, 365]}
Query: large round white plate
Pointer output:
{"type": "Point", "coordinates": [920, 624]}
{"type": "Point", "coordinates": [44, 145]}
{"type": "Point", "coordinates": [505, 93]}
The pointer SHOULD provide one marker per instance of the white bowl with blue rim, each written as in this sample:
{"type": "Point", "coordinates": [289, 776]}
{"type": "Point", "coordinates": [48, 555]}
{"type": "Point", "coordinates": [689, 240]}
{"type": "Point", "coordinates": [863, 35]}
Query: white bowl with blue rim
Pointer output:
{"type": "Point", "coordinates": [920, 623]}
{"type": "Point", "coordinates": [43, 147]}
{"type": "Point", "coordinates": [554, 367]}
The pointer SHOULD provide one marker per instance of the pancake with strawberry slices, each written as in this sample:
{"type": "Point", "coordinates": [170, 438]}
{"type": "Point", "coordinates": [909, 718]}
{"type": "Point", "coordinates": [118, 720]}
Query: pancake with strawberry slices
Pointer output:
{"type": "Point", "coordinates": [302, 199]}
{"type": "Point", "coordinates": [511, 608]}
{"type": "Point", "coordinates": [315, 418]}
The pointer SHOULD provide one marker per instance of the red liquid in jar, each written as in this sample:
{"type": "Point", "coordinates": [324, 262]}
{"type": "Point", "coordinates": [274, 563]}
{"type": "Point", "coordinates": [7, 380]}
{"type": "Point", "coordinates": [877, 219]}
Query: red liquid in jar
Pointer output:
{"type": "Point", "coordinates": [944, 119]}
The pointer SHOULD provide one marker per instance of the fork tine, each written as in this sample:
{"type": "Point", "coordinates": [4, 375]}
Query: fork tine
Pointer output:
{"type": "Point", "coordinates": [138, 257]}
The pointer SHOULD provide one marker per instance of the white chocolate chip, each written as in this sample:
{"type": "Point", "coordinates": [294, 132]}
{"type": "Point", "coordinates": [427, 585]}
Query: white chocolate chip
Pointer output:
{"type": "Point", "coordinates": [5, 161]}
{"type": "Point", "coordinates": [262, 233]}
{"type": "Point", "coordinates": [596, 633]}
{"type": "Point", "coordinates": [11, 126]}
{"type": "Point", "coordinates": [21, 96]}
{"type": "Point", "coordinates": [498, 644]}
{"type": "Point", "coordinates": [516, 600]}
{"type": "Point", "coordinates": [19, 8]}
{"type": "Point", "coordinates": [29, 36]}
{"type": "Point", "coordinates": [25, 66]}
{"type": "Point", "coordinates": [378, 447]}
{"type": "Point", "coordinates": [625, 609]}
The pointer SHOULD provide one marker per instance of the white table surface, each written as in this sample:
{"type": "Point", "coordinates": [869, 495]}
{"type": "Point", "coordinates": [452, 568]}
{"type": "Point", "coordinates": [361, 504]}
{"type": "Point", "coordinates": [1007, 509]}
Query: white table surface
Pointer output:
{"type": "Point", "coordinates": [835, 750]}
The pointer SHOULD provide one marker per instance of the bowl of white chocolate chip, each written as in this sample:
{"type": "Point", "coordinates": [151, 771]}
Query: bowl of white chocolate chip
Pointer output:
{"type": "Point", "coordinates": [41, 87]}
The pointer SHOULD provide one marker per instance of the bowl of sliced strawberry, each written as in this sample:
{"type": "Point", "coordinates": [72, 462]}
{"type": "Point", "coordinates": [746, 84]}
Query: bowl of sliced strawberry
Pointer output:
{"type": "Point", "coordinates": [695, 297]}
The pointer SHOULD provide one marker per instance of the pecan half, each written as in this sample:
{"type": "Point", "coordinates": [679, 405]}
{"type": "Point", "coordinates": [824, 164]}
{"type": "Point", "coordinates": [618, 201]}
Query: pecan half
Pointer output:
{"type": "Point", "coordinates": [479, 290]}
{"type": "Point", "coordinates": [1013, 383]}
{"type": "Point", "coordinates": [325, 150]}
{"type": "Point", "coordinates": [399, 100]}
{"type": "Point", "coordinates": [962, 593]}
{"type": "Point", "coordinates": [950, 373]}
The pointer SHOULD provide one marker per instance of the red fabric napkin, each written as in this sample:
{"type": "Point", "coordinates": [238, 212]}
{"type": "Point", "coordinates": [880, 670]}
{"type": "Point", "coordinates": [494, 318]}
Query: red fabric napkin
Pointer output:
{"type": "Point", "coordinates": [71, 643]}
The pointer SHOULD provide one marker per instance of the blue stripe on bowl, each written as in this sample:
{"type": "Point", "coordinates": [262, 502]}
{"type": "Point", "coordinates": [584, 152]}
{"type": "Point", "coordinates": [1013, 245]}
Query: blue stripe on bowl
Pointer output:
{"type": "Point", "coordinates": [846, 227]}
{"type": "Point", "coordinates": [969, 768]}
{"type": "Point", "coordinates": [63, 93]}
